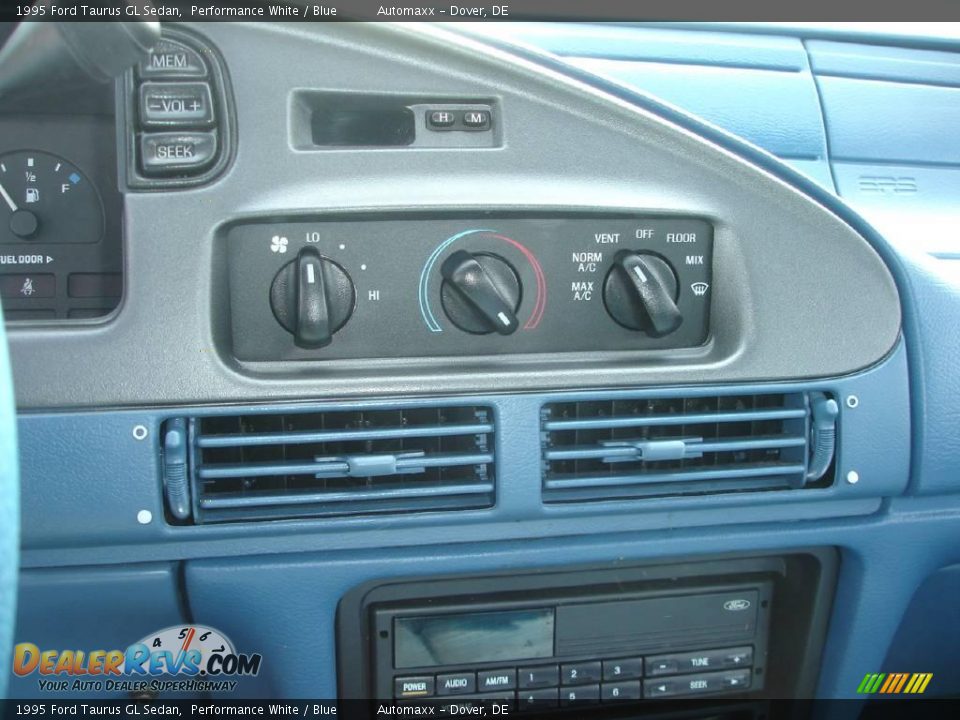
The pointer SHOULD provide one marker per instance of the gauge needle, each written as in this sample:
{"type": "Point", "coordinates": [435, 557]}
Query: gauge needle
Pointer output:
{"type": "Point", "coordinates": [6, 196]}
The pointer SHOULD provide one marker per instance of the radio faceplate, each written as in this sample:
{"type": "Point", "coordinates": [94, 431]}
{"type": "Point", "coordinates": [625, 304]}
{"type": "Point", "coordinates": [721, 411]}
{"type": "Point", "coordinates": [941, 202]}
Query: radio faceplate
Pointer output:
{"type": "Point", "coordinates": [586, 648]}
{"type": "Point", "coordinates": [558, 639]}
{"type": "Point", "coordinates": [467, 286]}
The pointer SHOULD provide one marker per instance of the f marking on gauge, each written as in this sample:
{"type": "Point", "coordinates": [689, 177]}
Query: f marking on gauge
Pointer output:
{"type": "Point", "coordinates": [428, 277]}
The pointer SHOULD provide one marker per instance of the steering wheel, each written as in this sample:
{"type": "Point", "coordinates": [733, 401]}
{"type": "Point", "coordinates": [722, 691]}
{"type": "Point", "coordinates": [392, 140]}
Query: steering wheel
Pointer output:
{"type": "Point", "coordinates": [9, 511]}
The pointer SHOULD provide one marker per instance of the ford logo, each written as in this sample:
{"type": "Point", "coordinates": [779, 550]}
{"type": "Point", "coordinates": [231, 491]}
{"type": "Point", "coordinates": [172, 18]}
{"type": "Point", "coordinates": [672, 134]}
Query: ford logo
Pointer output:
{"type": "Point", "coordinates": [739, 604]}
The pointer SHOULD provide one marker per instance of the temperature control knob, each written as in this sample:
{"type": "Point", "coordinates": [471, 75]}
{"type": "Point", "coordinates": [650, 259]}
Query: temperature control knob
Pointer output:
{"type": "Point", "coordinates": [312, 297]}
{"type": "Point", "coordinates": [640, 293]}
{"type": "Point", "coordinates": [481, 293]}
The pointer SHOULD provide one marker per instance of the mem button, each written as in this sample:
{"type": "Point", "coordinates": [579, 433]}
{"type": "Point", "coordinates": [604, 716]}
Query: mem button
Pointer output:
{"type": "Point", "coordinates": [171, 153]}
{"type": "Point", "coordinates": [413, 687]}
{"type": "Point", "coordinates": [163, 104]}
{"type": "Point", "coordinates": [171, 59]}
{"type": "Point", "coordinates": [505, 679]}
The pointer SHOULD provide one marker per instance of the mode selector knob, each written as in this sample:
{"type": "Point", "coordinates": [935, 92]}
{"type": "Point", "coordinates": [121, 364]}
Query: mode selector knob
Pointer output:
{"type": "Point", "coordinates": [640, 293]}
{"type": "Point", "coordinates": [312, 297]}
{"type": "Point", "coordinates": [480, 293]}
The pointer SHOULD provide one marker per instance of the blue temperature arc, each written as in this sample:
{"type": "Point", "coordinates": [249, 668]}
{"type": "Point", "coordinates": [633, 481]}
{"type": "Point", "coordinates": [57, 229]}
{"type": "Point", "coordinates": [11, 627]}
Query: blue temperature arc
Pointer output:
{"type": "Point", "coordinates": [425, 310]}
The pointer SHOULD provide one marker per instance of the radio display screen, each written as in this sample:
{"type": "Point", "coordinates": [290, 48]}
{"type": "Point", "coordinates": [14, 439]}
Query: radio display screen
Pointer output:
{"type": "Point", "coordinates": [473, 638]}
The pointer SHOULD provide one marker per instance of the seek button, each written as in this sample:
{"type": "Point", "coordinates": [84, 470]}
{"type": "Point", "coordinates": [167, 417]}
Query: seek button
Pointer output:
{"type": "Point", "coordinates": [172, 153]}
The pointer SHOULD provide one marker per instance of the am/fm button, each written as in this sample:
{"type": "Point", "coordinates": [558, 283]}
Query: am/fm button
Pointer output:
{"type": "Point", "coordinates": [176, 153]}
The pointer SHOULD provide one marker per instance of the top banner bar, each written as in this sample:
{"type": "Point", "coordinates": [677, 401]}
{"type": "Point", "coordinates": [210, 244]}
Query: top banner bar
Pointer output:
{"type": "Point", "coordinates": [828, 11]}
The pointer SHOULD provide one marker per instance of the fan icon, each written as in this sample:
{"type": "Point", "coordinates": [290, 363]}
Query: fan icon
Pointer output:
{"type": "Point", "coordinates": [278, 244]}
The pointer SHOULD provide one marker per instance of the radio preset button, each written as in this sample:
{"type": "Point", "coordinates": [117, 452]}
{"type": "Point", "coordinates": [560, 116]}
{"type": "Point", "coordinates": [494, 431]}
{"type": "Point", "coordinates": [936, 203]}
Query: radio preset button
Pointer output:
{"type": "Point", "coordinates": [580, 695]}
{"type": "Point", "coordinates": [502, 679]}
{"type": "Point", "coordinates": [537, 677]}
{"type": "Point", "coordinates": [579, 673]}
{"type": "Point", "coordinates": [413, 687]}
{"type": "Point", "coordinates": [456, 683]}
{"type": "Point", "coordinates": [622, 669]}
{"type": "Point", "coordinates": [541, 699]}
{"type": "Point", "coordinates": [627, 690]}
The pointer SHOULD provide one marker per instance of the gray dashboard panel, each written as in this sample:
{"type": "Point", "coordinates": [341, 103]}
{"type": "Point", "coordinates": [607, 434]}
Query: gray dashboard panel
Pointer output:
{"type": "Point", "coordinates": [797, 293]}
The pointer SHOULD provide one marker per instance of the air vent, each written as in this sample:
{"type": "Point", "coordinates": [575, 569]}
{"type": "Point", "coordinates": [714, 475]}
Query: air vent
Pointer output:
{"type": "Point", "coordinates": [657, 447]}
{"type": "Point", "coordinates": [318, 464]}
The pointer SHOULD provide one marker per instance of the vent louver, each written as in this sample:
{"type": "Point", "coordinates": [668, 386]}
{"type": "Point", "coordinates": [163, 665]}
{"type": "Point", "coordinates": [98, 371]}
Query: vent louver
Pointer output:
{"type": "Point", "coordinates": [261, 466]}
{"type": "Point", "coordinates": [677, 446]}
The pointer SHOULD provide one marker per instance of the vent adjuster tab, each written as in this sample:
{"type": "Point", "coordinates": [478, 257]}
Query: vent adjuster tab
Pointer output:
{"type": "Point", "coordinates": [652, 450]}
{"type": "Point", "coordinates": [823, 429]}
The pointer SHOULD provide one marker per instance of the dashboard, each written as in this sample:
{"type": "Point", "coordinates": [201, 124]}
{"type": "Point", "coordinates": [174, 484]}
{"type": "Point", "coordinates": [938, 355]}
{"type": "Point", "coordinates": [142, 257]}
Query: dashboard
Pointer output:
{"type": "Point", "coordinates": [444, 345]}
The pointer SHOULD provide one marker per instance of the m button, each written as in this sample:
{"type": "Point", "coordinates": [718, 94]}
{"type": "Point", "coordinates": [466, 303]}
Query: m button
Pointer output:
{"type": "Point", "coordinates": [476, 119]}
{"type": "Point", "coordinates": [176, 153]}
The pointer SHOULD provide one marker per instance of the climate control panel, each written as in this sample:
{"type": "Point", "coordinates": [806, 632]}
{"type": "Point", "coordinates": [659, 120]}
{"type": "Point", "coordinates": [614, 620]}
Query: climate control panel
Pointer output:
{"type": "Point", "coordinates": [337, 289]}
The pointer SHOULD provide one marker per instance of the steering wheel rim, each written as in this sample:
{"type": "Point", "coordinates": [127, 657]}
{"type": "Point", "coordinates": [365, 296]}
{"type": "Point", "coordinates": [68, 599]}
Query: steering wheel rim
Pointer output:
{"type": "Point", "coordinates": [9, 510]}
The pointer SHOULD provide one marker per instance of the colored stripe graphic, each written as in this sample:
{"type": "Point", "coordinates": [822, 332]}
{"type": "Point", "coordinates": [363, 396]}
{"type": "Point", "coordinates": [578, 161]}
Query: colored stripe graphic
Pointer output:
{"type": "Point", "coordinates": [894, 683]}
{"type": "Point", "coordinates": [424, 291]}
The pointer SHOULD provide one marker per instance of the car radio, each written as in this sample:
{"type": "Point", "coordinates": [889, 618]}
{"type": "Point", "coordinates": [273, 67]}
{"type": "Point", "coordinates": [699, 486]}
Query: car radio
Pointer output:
{"type": "Point", "coordinates": [561, 639]}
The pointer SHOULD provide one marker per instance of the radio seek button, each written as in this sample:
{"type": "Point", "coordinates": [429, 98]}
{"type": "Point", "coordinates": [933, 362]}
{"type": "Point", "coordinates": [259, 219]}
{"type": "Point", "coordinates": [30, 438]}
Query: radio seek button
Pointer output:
{"type": "Point", "coordinates": [659, 688]}
{"type": "Point", "coordinates": [170, 153]}
{"type": "Point", "coordinates": [163, 104]}
{"type": "Point", "coordinates": [736, 679]}
{"type": "Point", "coordinates": [456, 683]}
{"type": "Point", "coordinates": [413, 687]}
{"type": "Point", "coordinates": [505, 679]}
{"type": "Point", "coordinates": [536, 677]}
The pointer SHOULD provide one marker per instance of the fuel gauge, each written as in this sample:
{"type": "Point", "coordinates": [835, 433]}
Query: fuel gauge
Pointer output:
{"type": "Point", "coordinates": [44, 198]}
